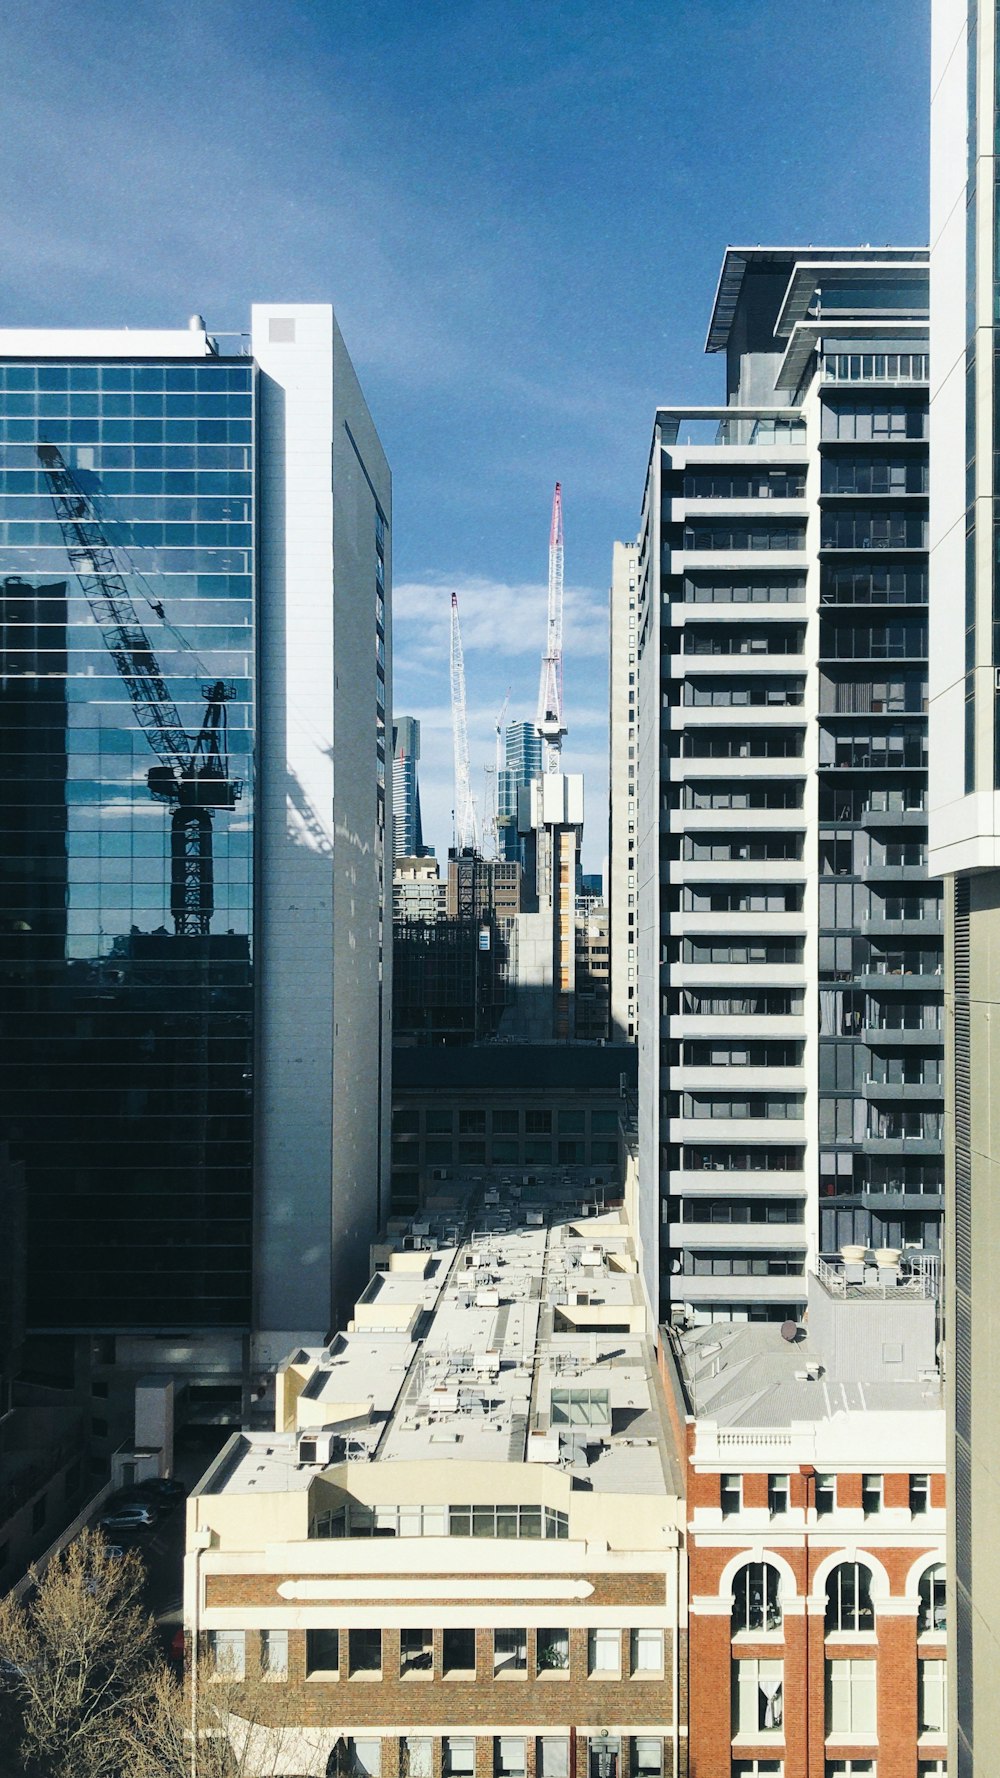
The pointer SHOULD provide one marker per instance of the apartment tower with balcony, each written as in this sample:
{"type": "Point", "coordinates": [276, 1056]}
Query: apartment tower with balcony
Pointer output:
{"type": "Point", "coordinates": [789, 940]}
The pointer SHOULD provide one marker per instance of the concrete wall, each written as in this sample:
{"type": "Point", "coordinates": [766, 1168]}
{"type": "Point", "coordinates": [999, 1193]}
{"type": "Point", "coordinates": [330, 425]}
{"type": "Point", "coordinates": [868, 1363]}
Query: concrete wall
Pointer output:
{"type": "Point", "coordinates": [322, 1081]}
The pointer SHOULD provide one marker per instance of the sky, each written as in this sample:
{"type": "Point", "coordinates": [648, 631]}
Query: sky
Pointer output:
{"type": "Point", "coordinates": [518, 211]}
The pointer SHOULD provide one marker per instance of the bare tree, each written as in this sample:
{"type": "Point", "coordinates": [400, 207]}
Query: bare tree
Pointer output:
{"type": "Point", "coordinates": [78, 1659]}
{"type": "Point", "coordinates": [225, 1726]}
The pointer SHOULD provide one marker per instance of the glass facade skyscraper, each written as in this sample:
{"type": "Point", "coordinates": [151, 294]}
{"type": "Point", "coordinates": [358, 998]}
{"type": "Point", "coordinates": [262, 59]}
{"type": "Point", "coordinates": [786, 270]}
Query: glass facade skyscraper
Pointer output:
{"type": "Point", "coordinates": [126, 1037]}
{"type": "Point", "coordinates": [522, 762]}
{"type": "Point", "coordinates": [182, 905]}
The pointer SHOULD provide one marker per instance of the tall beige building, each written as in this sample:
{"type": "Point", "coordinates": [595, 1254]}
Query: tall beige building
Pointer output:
{"type": "Point", "coordinates": [965, 831]}
{"type": "Point", "coordinates": [621, 824]}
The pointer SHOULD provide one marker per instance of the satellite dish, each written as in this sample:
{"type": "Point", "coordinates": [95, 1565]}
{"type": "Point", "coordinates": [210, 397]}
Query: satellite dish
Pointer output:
{"type": "Point", "coordinates": [790, 1331]}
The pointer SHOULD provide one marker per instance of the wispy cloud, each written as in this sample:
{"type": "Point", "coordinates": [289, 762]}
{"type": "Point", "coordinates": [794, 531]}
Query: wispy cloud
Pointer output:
{"type": "Point", "coordinates": [496, 616]}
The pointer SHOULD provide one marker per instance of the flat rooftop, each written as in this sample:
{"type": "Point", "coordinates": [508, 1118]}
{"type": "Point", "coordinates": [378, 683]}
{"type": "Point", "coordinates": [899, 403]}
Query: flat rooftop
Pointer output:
{"type": "Point", "coordinates": [506, 1324]}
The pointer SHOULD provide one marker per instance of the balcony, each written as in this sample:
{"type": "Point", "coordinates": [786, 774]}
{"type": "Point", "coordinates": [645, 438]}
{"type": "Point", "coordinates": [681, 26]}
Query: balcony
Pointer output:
{"type": "Point", "coordinates": [910, 1091]}
{"type": "Point", "coordinates": [917, 1275]}
{"type": "Point", "coordinates": [907, 873]}
{"type": "Point", "coordinates": [736, 1131]}
{"type": "Point", "coordinates": [889, 1145]}
{"type": "Point", "coordinates": [911, 983]}
{"type": "Point", "coordinates": [789, 1236]}
{"type": "Point", "coordinates": [687, 1288]}
{"type": "Point", "coordinates": [738, 870]}
{"type": "Point", "coordinates": [924, 926]}
{"type": "Point", "coordinates": [888, 1036]}
{"type": "Point", "coordinates": [729, 1077]}
{"type": "Point", "coordinates": [734, 1025]}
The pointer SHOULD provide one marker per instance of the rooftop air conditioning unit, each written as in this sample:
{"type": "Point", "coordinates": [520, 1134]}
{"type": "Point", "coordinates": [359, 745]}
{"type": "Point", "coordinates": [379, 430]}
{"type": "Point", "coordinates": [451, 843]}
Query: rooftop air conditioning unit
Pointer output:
{"type": "Point", "coordinates": [317, 1447]}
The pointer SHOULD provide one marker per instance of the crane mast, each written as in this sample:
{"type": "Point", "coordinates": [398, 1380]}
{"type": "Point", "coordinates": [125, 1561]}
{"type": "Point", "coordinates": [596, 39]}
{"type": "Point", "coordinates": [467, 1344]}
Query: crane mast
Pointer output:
{"type": "Point", "coordinates": [193, 774]}
{"type": "Point", "coordinates": [549, 721]}
{"type": "Point", "coordinates": [466, 835]}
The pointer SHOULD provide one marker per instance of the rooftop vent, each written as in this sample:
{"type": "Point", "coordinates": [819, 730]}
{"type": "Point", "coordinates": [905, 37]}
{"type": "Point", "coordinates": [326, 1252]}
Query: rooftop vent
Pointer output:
{"type": "Point", "coordinates": [790, 1331]}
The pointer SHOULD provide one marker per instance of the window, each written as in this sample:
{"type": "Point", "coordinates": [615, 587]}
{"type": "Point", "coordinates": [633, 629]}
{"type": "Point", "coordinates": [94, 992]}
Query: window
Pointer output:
{"type": "Point", "coordinates": [580, 1407]}
{"type": "Point", "coordinates": [507, 1521]}
{"type": "Point", "coordinates": [538, 1123]}
{"type": "Point", "coordinates": [757, 1768]}
{"type": "Point", "coordinates": [645, 1653]}
{"type": "Point", "coordinates": [505, 1123]}
{"type": "Point", "coordinates": [552, 1756]}
{"type": "Point", "coordinates": [647, 1756]}
{"type": "Point", "coordinates": [416, 1654]}
{"type": "Point", "coordinates": [603, 1653]}
{"type": "Point", "coordinates": [416, 1756]}
{"type": "Point", "coordinates": [322, 1651]}
{"type": "Point", "coordinates": [458, 1649]}
{"type": "Point", "coordinates": [849, 1768]}
{"type": "Point", "coordinates": [274, 1654]}
{"type": "Point", "coordinates": [364, 1652]}
{"type": "Point", "coordinates": [850, 1697]}
{"type": "Point", "coordinates": [508, 1756]}
{"type": "Point", "coordinates": [472, 1123]}
{"type": "Point", "coordinates": [920, 1494]}
{"type": "Point", "coordinates": [933, 1697]}
{"type": "Point", "coordinates": [510, 1652]}
{"type": "Point", "coordinates": [458, 1756]}
{"type": "Point", "coordinates": [848, 1600]}
{"type": "Point", "coordinates": [228, 1653]}
{"type": "Point", "coordinates": [932, 1617]}
{"type": "Point", "coordinates": [364, 1758]}
{"type": "Point", "coordinates": [871, 1494]}
{"type": "Point", "coordinates": [826, 1495]}
{"type": "Point", "coordinates": [552, 1650]}
{"type": "Point", "coordinates": [757, 1698]}
{"type": "Point", "coordinates": [777, 1495]}
{"type": "Point", "coordinates": [932, 1768]}
{"type": "Point", "coordinates": [731, 1493]}
{"type": "Point", "coordinates": [439, 1122]}
{"type": "Point", "coordinates": [756, 1601]}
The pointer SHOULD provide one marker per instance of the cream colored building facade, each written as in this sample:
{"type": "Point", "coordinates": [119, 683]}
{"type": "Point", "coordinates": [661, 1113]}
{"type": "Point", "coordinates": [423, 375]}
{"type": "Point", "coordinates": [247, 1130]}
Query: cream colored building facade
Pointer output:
{"type": "Point", "coordinates": [622, 811]}
{"type": "Point", "coordinates": [458, 1552]}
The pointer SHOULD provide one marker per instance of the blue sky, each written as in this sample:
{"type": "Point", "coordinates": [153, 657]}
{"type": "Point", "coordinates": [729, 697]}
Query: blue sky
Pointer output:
{"type": "Point", "coordinates": [518, 211]}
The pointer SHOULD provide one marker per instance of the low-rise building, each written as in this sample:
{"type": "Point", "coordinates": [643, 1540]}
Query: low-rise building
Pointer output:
{"type": "Point", "coordinates": [458, 1552]}
{"type": "Point", "coordinates": [536, 1109]}
{"type": "Point", "coordinates": [816, 1532]}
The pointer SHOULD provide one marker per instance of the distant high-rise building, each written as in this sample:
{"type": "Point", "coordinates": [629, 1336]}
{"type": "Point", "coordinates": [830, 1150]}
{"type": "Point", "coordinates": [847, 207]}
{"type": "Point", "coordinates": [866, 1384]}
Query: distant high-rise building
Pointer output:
{"type": "Point", "coordinates": [622, 810]}
{"type": "Point", "coordinates": [181, 666]}
{"type": "Point", "coordinates": [408, 833]}
{"type": "Point", "coordinates": [522, 762]}
{"type": "Point", "coordinates": [965, 826]}
{"type": "Point", "coordinates": [789, 939]}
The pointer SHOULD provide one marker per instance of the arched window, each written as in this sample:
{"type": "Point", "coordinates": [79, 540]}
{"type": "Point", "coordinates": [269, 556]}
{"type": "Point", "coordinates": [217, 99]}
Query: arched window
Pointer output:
{"type": "Point", "coordinates": [933, 1613]}
{"type": "Point", "coordinates": [756, 1605]}
{"type": "Point", "coordinates": [849, 1600]}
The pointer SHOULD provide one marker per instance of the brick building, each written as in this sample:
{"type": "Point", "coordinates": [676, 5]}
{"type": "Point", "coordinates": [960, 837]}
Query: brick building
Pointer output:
{"type": "Point", "coordinates": [816, 1533]}
{"type": "Point", "coordinates": [459, 1551]}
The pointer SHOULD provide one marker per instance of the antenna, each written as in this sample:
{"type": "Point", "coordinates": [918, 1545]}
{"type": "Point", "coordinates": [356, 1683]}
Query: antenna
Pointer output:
{"type": "Point", "coordinates": [550, 686]}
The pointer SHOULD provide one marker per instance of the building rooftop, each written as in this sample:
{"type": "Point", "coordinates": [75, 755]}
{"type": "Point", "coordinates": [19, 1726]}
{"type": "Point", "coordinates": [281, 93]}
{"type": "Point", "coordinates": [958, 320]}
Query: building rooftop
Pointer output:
{"type": "Point", "coordinates": [864, 1355]}
{"type": "Point", "coordinates": [736, 260]}
{"type": "Point", "coordinates": [506, 1326]}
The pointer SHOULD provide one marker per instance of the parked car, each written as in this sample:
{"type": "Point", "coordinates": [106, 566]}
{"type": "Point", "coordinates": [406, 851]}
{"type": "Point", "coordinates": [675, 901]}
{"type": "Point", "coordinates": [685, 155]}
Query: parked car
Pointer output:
{"type": "Point", "coordinates": [135, 1517]}
{"type": "Point", "coordinates": [164, 1490]}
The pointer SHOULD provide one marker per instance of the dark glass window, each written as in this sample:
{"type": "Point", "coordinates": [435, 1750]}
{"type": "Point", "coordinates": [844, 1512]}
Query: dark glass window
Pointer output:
{"type": "Point", "coordinates": [126, 851]}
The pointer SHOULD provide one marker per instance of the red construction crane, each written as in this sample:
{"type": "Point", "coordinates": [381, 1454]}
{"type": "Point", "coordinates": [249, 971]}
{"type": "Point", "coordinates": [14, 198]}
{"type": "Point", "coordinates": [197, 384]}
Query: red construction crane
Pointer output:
{"type": "Point", "coordinates": [192, 774]}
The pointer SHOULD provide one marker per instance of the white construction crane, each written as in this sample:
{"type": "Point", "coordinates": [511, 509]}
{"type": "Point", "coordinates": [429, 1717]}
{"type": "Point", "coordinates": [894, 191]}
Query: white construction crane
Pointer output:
{"type": "Point", "coordinates": [466, 825]}
{"type": "Point", "coordinates": [549, 721]}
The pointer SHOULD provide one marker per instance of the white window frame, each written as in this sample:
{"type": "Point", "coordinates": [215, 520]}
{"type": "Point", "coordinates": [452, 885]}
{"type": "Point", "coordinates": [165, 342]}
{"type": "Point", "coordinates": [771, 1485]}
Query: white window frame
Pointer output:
{"type": "Point", "coordinates": [416, 1756]}
{"type": "Point", "coordinates": [642, 1645]}
{"type": "Point", "coordinates": [368, 1765]}
{"type": "Point", "coordinates": [552, 1756]}
{"type": "Point", "coordinates": [274, 1642]}
{"type": "Point", "coordinates": [450, 1745]}
{"type": "Point", "coordinates": [932, 1698]}
{"type": "Point", "coordinates": [851, 1698]}
{"type": "Point", "coordinates": [507, 1762]}
{"type": "Point", "coordinates": [228, 1651]}
{"type": "Point", "coordinates": [510, 1661]}
{"type": "Point", "coordinates": [648, 1741]}
{"type": "Point", "coordinates": [601, 1644]}
{"type": "Point", "coordinates": [758, 1692]}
